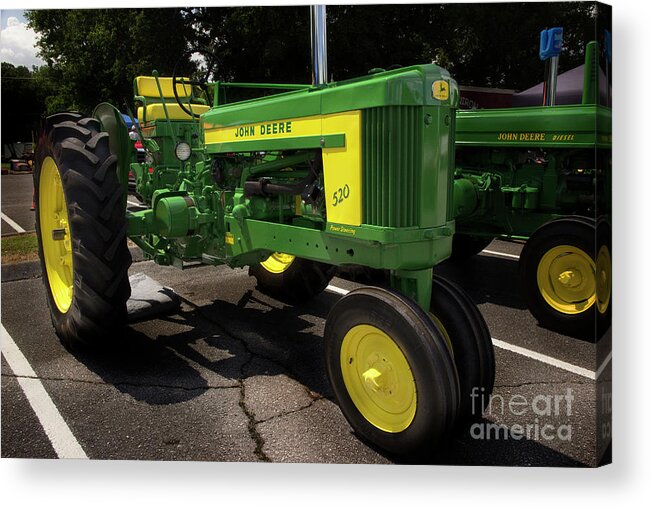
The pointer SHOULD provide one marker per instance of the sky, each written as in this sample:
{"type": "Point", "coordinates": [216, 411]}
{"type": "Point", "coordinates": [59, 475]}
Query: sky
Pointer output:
{"type": "Point", "coordinates": [17, 41]}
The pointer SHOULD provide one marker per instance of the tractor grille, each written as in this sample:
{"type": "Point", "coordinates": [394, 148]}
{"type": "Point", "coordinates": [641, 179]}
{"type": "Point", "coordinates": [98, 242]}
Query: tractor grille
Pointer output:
{"type": "Point", "coordinates": [392, 151]}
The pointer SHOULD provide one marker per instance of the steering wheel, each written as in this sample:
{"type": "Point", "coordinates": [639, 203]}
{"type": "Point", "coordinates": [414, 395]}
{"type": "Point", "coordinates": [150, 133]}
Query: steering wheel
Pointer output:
{"type": "Point", "coordinates": [201, 80]}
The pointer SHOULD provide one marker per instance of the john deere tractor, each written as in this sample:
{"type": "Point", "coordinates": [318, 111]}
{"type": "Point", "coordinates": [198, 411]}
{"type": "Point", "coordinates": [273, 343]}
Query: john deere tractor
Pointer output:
{"type": "Point", "coordinates": [333, 173]}
{"type": "Point", "coordinates": [543, 175]}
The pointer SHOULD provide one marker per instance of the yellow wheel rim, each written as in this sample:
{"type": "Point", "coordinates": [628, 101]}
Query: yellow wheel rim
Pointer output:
{"type": "Point", "coordinates": [55, 234]}
{"type": "Point", "coordinates": [603, 279]}
{"type": "Point", "coordinates": [566, 279]}
{"type": "Point", "coordinates": [278, 262]}
{"type": "Point", "coordinates": [378, 378]}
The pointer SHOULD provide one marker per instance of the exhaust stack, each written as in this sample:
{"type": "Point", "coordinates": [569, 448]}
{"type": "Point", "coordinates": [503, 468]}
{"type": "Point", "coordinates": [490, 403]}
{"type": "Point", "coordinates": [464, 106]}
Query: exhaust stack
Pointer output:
{"type": "Point", "coordinates": [319, 45]}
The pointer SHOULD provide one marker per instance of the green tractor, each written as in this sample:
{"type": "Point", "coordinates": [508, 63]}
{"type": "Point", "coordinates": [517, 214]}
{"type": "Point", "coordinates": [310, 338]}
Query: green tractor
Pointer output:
{"type": "Point", "coordinates": [543, 175]}
{"type": "Point", "coordinates": [358, 172]}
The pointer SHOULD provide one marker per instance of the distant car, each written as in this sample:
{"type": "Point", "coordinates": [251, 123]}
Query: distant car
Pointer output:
{"type": "Point", "coordinates": [20, 166]}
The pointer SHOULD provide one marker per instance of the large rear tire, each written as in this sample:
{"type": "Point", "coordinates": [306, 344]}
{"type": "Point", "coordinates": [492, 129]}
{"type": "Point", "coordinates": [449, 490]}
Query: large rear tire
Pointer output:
{"type": "Point", "coordinates": [391, 371]}
{"type": "Point", "coordinates": [291, 279]}
{"type": "Point", "coordinates": [558, 275]}
{"type": "Point", "coordinates": [81, 229]}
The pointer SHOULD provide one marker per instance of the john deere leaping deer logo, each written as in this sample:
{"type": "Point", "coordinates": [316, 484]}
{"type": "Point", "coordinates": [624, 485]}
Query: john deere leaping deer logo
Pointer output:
{"type": "Point", "coordinates": [440, 90]}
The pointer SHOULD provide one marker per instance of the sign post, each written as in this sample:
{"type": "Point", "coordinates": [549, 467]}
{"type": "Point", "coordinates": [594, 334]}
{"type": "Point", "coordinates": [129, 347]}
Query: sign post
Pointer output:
{"type": "Point", "coordinates": [551, 44]}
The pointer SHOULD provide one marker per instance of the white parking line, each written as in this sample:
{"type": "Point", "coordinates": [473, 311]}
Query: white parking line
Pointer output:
{"type": "Point", "coordinates": [552, 361]}
{"type": "Point", "coordinates": [501, 254]}
{"type": "Point", "coordinates": [13, 224]}
{"type": "Point", "coordinates": [63, 441]}
{"type": "Point", "coordinates": [337, 290]}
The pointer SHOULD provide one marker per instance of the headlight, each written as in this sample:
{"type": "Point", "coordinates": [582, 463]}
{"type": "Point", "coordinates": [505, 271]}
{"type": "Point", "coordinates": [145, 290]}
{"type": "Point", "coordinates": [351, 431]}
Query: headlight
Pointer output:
{"type": "Point", "coordinates": [183, 151]}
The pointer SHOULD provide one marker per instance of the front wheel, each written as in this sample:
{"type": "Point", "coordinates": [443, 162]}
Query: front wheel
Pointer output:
{"type": "Point", "coordinates": [81, 229]}
{"type": "Point", "coordinates": [291, 279]}
{"type": "Point", "coordinates": [391, 371]}
{"type": "Point", "coordinates": [466, 331]}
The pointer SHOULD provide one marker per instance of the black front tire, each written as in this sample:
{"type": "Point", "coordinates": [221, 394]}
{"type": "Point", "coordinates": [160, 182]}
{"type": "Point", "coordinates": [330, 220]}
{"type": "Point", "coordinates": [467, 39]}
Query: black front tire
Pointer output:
{"type": "Point", "coordinates": [427, 354]}
{"type": "Point", "coordinates": [470, 340]}
{"type": "Point", "coordinates": [98, 229]}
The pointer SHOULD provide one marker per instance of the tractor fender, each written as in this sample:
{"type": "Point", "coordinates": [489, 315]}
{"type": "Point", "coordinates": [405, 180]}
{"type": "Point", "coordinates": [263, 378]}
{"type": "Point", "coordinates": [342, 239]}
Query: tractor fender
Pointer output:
{"type": "Point", "coordinates": [119, 142]}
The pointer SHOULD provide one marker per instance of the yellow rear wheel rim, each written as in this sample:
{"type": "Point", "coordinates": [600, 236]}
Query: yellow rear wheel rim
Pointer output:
{"type": "Point", "coordinates": [55, 234]}
{"type": "Point", "coordinates": [278, 262]}
{"type": "Point", "coordinates": [566, 279]}
{"type": "Point", "coordinates": [378, 378]}
{"type": "Point", "coordinates": [604, 274]}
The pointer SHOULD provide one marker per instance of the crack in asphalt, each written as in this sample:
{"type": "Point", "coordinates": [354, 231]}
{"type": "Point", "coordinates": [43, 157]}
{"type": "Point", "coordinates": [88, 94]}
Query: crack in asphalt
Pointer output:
{"type": "Point", "coordinates": [244, 343]}
{"type": "Point", "coordinates": [295, 411]}
{"type": "Point", "coordinates": [251, 424]}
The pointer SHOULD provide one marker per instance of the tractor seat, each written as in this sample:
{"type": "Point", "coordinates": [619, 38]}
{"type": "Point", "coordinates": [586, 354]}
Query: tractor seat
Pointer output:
{"type": "Point", "coordinates": [174, 111]}
{"type": "Point", "coordinates": [147, 93]}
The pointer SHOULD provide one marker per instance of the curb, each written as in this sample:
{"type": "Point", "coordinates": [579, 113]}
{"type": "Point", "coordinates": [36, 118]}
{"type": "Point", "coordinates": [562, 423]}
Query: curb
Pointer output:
{"type": "Point", "coordinates": [20, 271]}
{"type": "Point", "coordinates": [32, 269]}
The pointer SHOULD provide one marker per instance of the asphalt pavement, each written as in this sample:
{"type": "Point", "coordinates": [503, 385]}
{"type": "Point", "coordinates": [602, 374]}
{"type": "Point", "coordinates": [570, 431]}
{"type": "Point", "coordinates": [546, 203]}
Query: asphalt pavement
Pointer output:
{"type": "Point", "coordinates": [16, 203]}
{"type": "Point", "coordinates": [234, 375]}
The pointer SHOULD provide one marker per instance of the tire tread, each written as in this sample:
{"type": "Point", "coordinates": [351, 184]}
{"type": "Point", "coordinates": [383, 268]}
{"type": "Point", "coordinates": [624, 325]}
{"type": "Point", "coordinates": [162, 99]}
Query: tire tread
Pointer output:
{"type": "Point", "coordinates": [101, 258]}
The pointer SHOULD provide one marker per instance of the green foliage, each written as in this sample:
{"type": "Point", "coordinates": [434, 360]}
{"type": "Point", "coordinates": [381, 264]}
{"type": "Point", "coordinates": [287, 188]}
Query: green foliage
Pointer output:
{"type": "Point", "coordinates": [93, 55]}
{"type": "Point", "coordinates": [487, 44]}
{"type": "Point", "coordinates": [497, 45]}
{"type": "Point", "coordinates": [23, 101]}
{"type": "Point", "coordinates": [261, 44]}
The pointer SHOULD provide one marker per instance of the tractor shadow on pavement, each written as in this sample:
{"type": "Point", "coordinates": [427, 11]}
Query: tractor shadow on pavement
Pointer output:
{"type": "Point", "coordinates": [144, 369]}
{"type": "Point", "coordinates": [175, 358]}
{"type": "Point", "coordinates": [486, 279]}
{"type": "Point", "coordinates": [463, 449]}
{"type": "Point", "coordinates": [286, 338]}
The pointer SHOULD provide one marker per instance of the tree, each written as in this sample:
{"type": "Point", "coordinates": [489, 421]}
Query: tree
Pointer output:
{"type": "Point", "coordinates": [263, 44]}
{"type": "Point", "coordinates": [22, 103]}
{"type": "Point", "coordinates": [93, 55]}
{"type": "Point", "coordinates": [497, 44]}
{"type": "Point", "coordinates": [488, 44]}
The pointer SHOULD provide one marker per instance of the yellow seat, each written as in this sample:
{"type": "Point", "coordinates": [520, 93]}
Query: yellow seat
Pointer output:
{"type": "Point", "coordinates": [149, 96]}
{"type": "Point", "coordinates": [156, 111]}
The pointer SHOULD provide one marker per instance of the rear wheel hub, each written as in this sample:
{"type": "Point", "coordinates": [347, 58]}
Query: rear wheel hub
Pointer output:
{"type": "Point", "coordinates": [55, 235]}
